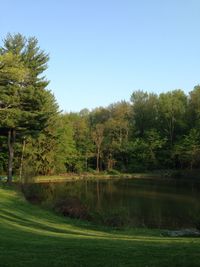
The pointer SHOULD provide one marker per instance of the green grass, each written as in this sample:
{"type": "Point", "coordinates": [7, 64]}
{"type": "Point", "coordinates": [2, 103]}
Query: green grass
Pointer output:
{"type": "Point", "coordinates": [31, 236]}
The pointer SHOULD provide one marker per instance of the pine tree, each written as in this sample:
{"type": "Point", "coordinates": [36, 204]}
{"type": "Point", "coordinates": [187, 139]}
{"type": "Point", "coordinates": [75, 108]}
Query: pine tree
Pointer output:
{"type": "Point", "coordinates": [24, 100]}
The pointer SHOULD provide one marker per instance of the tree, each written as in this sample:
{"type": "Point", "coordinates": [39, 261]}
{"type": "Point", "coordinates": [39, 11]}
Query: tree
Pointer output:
{"type": "Point", "coordinates": [73, 156]}
{"type": "Point", "coordinates": [22, 90]}
{"type": "Point", "coordinates": [172, 113]}
{"type": "Point", "coordinates": [194, 108]}
{"type": "Point", "coordinates": [116, 132]}
{"type": "Point", "coordinates": [12, 75]}
{"type": "Point", "coordinates": [82, 137]}
{"type": "Point", "coordinates": [145, 111]}
{"type": "Point", "coordinates": [48, 148]}
{"type": "Point", "coordinates": [154, 144]}
{"type": "Point", "coordinates": [98, 137]}
{"type": "Point", "coordinates": [187, 151]}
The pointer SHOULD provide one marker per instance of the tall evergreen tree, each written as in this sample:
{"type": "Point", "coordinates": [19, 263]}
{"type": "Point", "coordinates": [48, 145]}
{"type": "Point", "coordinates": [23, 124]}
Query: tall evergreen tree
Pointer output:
{"type": "Point", "coordinates": [23, 98]}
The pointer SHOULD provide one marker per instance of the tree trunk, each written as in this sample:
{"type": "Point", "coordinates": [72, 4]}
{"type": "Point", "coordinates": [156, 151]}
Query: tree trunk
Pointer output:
{"type": "Point", "coordinates": [98, 157]}
{"type": "Point", "coordinates": [11, 140]}
{"type": "Point", "coordinates": [110, 162]}
{"type": "Point", "coordinates": [22, 159]}
{"type": "Point", "coordinates": [86, 162]}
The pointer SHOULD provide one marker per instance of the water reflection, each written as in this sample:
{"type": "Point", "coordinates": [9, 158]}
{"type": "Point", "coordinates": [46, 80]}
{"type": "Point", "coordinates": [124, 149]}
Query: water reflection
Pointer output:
{"type": "Point", "coordinates": [135, 202]}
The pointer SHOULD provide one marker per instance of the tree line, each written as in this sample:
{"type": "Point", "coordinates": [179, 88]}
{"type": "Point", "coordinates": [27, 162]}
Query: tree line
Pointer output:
{"type": "Point", "coordinates": [151, 131]}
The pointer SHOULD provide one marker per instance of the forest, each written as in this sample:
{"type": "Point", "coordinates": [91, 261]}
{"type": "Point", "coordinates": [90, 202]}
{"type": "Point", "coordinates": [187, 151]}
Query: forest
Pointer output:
{"type": "Point", "coordinates": [149, 132]}
{"type": "Point", "coordinates": [99, 133]}
{"type": "Point", "coordinates": [93, 188]}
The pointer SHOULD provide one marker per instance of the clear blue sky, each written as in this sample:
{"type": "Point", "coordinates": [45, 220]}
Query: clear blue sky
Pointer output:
{"type": "Point", "coordinates": [103, 50]}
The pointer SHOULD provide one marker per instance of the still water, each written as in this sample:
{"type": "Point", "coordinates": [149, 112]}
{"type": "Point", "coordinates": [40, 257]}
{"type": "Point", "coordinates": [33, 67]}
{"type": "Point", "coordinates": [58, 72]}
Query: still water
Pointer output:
{"type": "Point", "coordinates": [156, 203]}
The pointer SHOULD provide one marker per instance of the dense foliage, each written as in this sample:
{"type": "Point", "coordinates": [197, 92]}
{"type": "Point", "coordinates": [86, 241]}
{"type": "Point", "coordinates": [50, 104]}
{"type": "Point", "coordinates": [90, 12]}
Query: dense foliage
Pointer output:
{"type": "Point", "coordinates": [26, 106]}
{"type": "Point", "coordinates": [150, 132]}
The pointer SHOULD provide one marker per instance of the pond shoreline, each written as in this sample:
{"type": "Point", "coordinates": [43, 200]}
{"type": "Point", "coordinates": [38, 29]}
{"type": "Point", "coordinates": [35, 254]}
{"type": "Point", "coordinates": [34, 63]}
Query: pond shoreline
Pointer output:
{"type": "Point", "coordinates": [77, 177]}
{"type": "Point", "coordinates": [127, 201]}
{"type": "Point", "coordinates": [163, 175]}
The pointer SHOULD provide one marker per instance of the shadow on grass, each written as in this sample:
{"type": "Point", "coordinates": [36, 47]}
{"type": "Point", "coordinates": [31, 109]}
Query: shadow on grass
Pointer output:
{"type": "Point", "coordinates": [31, 236]}
{"type": "Point", "coordinates": [30, 218]}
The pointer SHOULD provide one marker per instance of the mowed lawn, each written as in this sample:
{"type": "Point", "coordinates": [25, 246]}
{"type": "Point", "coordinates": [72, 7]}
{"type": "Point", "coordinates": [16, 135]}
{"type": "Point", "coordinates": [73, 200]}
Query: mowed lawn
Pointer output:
{"type": "Point", "coordinates": [31, 236]}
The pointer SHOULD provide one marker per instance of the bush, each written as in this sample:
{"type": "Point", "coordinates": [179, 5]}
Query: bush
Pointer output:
{"type": "Point", "coordinates": [72, 207]}
{"type": "Point", "coordinates": [113, 172]}
{"type": "Point", "coordinates": [35, 193]}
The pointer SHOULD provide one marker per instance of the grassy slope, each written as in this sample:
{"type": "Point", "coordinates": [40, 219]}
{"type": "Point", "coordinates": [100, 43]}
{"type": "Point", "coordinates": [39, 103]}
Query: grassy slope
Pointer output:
{"type": "Point", "coordinates": [30, 236]}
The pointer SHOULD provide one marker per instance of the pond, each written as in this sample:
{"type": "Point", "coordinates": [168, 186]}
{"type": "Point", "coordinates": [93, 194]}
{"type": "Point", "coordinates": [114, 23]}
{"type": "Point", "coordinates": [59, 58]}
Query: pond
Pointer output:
{"type": "Point", "coordinates": [154, 203]}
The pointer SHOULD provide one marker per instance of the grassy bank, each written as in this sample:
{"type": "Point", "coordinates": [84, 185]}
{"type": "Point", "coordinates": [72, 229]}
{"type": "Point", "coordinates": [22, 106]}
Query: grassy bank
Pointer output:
{"type": "Point", "coordinates": [30, 236]}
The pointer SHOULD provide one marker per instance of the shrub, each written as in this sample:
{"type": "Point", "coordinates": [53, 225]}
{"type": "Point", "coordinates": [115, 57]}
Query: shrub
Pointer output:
{"type": "Point", "coordinates": [113, 172]}
{"type": "Point", "coordinates": [72, 207]}
{"type": "Point", "coordinates": [35, 193]}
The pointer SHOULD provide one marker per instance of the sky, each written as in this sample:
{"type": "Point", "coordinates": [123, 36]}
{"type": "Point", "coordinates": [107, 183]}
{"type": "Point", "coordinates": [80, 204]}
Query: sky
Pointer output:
{"type": "Point", "coordinates": [103, 50]}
